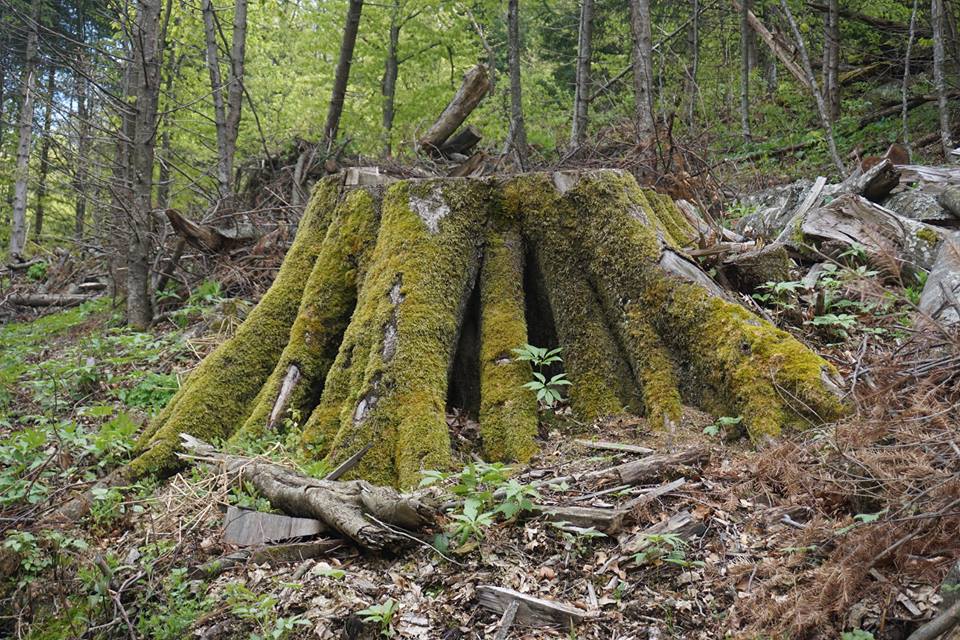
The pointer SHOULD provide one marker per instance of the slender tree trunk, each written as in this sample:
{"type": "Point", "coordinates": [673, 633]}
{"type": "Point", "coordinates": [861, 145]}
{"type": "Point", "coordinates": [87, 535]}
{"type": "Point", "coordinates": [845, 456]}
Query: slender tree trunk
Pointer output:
{"type": "Point", "coordinates": [83, 130]}
{"type": "Point", "coordinates": [769, 59]}
{"type": "Point", "coordinates": [216, 88]}
{"type": "Point", "coordinates": [581, 97]}
{"type": "Point", "coordinates": [812, 82]}
{"type": "Point", "coordinates": [238, 56]}
{"type": "Point", "coordinates": [146, 89]}
{"type": "Point", "coordinates": [642, 68]}
{"type": "Point", "coordinates": [3, 97]}
{"type": "Point", "coordinates": [518, 130]}
{"type": "Point", "coordinates": [745, 8]}
{"type": "Point", "coordinates": [342, 73]}
{"type": "Point", "coordinates": [18, 226]}
{"type": "Point", "coordinates": [905, 87]}
{"type": "Point", "coordinates": [44, 157]}
{"type": "Point", "coordinates": [693, 45]}
{"type": "Point", "coordinates": [940, 85]}
{"type": "Point", "coordinates": [390, 72]}
{"type": "Point", "coordinates": [831, 59]}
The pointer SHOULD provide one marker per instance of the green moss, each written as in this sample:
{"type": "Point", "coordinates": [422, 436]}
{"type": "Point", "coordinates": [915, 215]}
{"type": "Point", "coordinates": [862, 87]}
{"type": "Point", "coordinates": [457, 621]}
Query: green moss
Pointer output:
{"type": "Point", "coordinates": [508, 412]}
{"type": "Point", "coordinates": [218, 395]}
{"type": "Point", "coordinates": [387, 387]}
{"type": "Point", "coordinates": [928, 235]}
{"type": "Point", "coordinates": [325, 309]}
{"type": "Point", "coordinates": [679, 232]}
{"type": "Point", "coordinates": [601, 379]}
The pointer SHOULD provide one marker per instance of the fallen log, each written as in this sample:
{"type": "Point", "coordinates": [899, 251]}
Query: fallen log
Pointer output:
{"type": "Point", "coordinates": [939, 299]}
{"type": "Point", "coordinates": [462, 142]}
{"type": "Point", "coordinates": [530, 611]}
{"type": "Point", "coordinates": [874, 184]}
{"type": "Point", "coordinates": [476, 84]}
{"type": "Point", "coordinates": [361, 512]}
{"type": "Point", "coordinates": [49, 299]}
{"type": "Point", "coordinates": [681, 524]}
{"type": "Point", "coordinates": [469, 168]}
{"type": "Point", "coordinates": [895, 108]}
{"type": "Point", "coordinates": [657, 466]}
{"type": "Point", "coordinates": [269, 554]}
{"type": "Point", "coordinates": [609, 521]}
{"type": "Point", "coordinates": [210, 238]}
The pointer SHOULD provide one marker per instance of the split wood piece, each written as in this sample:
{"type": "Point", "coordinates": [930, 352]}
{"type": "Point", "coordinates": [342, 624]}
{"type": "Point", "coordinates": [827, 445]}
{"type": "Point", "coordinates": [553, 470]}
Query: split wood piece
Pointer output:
{"type": "Point", "coordinates": [650, 496]}
{"type": "Point", "coordinates": [270, 554]}
{"type": "Point", "coordinates": [348, 464]}
{"type": "Point", "coordinates": [476, 84]}
{"type": "Point", "coordinates": [204, 236]}
{"type": "Point", "coordinates": [531, 611]}
{"type": "Point", "coordinates": [749, 270]}
{"type": "Point", "coordinates": [462, 142]}
{"type": "Point", "coordinates": [681, 524]}
{"type": "Point", "coordinates": [342, 506]}
{"type": "Point", "coordinates": [922, 173]}
{"type": "Point", "coordinates": [364, 177]}
{"type": "Point", "coordinates": [939, 625]}
{"type": "Point", "coordinates": [779, 49]}
{"type": "Point", "coordinates": [471, 167]}
{"type": "Point", "coordinates": [49, 299]}
{"type": "Point", "coordinates": [656, 466]}
{"type": "Point", "coordinates": [283, 398]}
{"type": "Point", "coordinates": [874, 184]}
{"type": "Point", "coordinates": [614, 446]}
{"type": "Point", "coordinates": [506, 621]}
{"type": "Point", "coordinates": [609, 521]}
{"type": "Point", "coordinates": [939, 298]}
{"type": "Point", "coordinates": [248, 528]}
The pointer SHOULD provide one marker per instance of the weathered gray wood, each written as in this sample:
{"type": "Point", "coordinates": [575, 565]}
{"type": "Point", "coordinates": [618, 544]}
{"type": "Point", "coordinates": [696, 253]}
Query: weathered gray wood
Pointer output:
{"type": "Point", "coordinates": [650, 496]}
{"type": "Point", "coordinates": [348, 464]}
{"type": "Point", "coordinates": [506, 621]}
{"type": "Point", "coordinates": [682, 524]}
{"type": "Point", "coordinates": [247, 528]}
{"type": "Point", "coordinates": [283, 398]}
{"type": "Point", "coordinates": [476, 84]}
{"type": "Point", "coordinates": [606, 520]}
{"type": "Point", "coordinates": [49, 299]}
{"type": "Point", "coordinates": [531, 611]}
{"type": "Point", "coordinates": [270, 554]}
{"type": "Point", "coordinates": [462, 142]}
{"type": "Point", "coordinates": [614, 446]}
{"type": "Point", "coordinates": [942, 289]}
{"type": "Point", "coordinates": [656, 466]}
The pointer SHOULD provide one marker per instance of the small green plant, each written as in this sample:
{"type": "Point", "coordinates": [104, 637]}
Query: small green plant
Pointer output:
{"type": "Point", "coordinates": [856, 634]}
{"type": "Point", "coordinates": [381, 614]}
{"type": "Point", "coordinates": [261, 610]}
{"type": "Point", "coordinates": [171, 613]}
{"type": "Point", "coordinates": [665, 547]}
{"type": "Point", "coordinates": [548, 391]}
{"type": "Point", "coordinates": [37, 272]}
{"type": "Point", "coordinates": [914, 290]}
{"type": "Point", "coordinates": [246, 496]}
{"type": "Point", "coordinates": [726, 425]}
{"type": "Point", "coordinates": [861, 518]}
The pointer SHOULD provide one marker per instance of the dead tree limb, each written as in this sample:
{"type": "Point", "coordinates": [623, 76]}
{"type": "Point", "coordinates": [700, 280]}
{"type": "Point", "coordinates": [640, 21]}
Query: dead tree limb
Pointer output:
{"type": "Point", "coordinates": [476, 84]}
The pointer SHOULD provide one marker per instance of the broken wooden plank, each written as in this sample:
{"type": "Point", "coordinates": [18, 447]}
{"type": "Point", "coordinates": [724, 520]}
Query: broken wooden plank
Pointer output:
{"type": "Point", "coordinates": [506, 621]}
{"type": "Point", "coordinates": [614, 446]}
{"type": "Point", "coordinates": [606, 520]}
{"type": "Point", "coordinates": [270, 554]}
{"type": "Point", "coordinates": [348, 464]}
{"type": "Point", "coordinates": [682, 524]}
{"type": "Point", "coordinates": [658, 465]}
{"type": "Point", "coordinates": [531, 611]}
{"type": "Point", "coordinates": [247, 528]}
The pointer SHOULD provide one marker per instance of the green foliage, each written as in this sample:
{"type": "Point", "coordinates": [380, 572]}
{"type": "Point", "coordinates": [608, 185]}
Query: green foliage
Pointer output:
{"type": "Point", "coordinates": [170, 614]}
{"type": "Point", "coordinates": [666, 547]}
{"type": "Point", "coordinates": [37, 554]}
{"type": "Point", "coordinates": [725, 425]}
{"type": "Point", "coordinates": [37, 272]}
{"type": "Point", "coordinates": [260, 609]}
{"type": "Point", "coordinates": [382, 614]}
{"type": "Point", "coordinates": [548, 391]}
{"type": "Point", "coordinates": [856, 634]}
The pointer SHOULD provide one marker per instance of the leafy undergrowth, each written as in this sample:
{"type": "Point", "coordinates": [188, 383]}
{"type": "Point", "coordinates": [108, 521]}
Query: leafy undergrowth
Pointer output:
{"type": "Point", "coordinates": [845, 528]}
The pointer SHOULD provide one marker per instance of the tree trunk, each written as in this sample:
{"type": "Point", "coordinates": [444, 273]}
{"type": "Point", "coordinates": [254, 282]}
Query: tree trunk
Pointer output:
{"type": "Point", "coordinates": [216, 92]}
{"type": "Point", "coordinates": [342, 73]}
{"type": "Point", "coordinates": [905, 87]}
{"type": "Point", "coordinates": [18, 226]}
{"type": "Point", "coordinates": [145, 73]}
{"type": "Point", "coordinates": [80, 176]}
{"type": "Point", "coordinates": [831, 59]}
{"type": "Point", "coordinates": [390, 72]}
{"type": "Point", "coordinates": [939, 83]}
{"type": "Point", "coordinates": [518, 130]}
{"type": "Point", "coordinates": [581, 97]}
{"type": "Point", "coordinates": [815, 89]}
{"type": "Point", "coordinates": [745, 8]}
{"type": "Point", "coordinates": [238, 55]}
{"type": "Point", "coordinates": [693, 47]}
{"type": "Point", "coordinates": [642, 69]}
{"type": "Point", "coordinates": [384, 289]}
{"type": "Point", "coordinates": [44, 157]}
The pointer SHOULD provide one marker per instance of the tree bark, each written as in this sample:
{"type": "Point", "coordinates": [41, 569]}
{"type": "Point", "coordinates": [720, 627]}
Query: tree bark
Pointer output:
{"type": "Point", "coordinates": [518, 129]}
{"type": "Point", "coordinates": [746, 6]}
{"type": "Point", "coordinates": [642, 69]}
{"type": "Point", "coordinates": [831, 59]}
{"type": "Point", "coordinates": [693, 47]}
{"type": "Point", "coordinates": [342, 74]}
{"type": "Point", "coordinates": [581, 97]}
{"type": "Point", "coordinates": [939, 82]}
{"type": "Point", "coordinates": [216, 92]}
{"type": "Point", "coordinates": [476, 85]}
{"type": "Point", "coordinates": [44, 169]}
{"type": "Point", "coordinates": [905, 86]}
{"type": "Point", "coordinates": [238, 56]}
{"type": "Point", "coordinates": [815, 89]}
{"type": "Point", "coordinates": [390, 72]}
{"type": "Point", "coordinates": [18, 226]}
{"type": "Point", "coordinates": [376, 295]}
{"type": "Point", "coordinates": [80, 176]}
{"type": "Point", "coordinates": [782, 54]}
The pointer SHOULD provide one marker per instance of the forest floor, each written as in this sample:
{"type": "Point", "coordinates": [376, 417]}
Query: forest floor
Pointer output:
{"type": "Point", "coordinates": [847, 528]}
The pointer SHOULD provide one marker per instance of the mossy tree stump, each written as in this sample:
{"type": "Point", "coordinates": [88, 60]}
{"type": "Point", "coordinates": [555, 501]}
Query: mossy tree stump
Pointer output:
{"type": "Point", "coordinates": [396, 301]}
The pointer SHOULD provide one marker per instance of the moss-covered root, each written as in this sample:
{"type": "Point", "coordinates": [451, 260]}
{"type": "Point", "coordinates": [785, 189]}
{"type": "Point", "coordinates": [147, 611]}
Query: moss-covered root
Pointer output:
{"type": "Point", "coordinates": [508, 412]}
{"type": "Point", "coordinates": [602, 379]}
{"type": "Point", "coordinates": [328, 301]}
{"type": "Point", "coordinates": [731, 362]}
{"type": "Point", "coordinates": [217, 397]}
{"type": "Point", "coordinates": [388, 386]}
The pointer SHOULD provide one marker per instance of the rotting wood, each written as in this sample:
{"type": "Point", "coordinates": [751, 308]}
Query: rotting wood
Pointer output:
{"type": "Point", "coordinates": [607, 520]}
{"type": "Point", "coordinates": [471, 167]}
{"type": "Point", "coordinates": [462, 142]}
{"type": "Point", "coordinates": [476, 84]}
{"type": "Point", "coordinates": [939, 625]}
{"type": "Point", "coordinates": [656, 466]}
{"type": "Point", "coordinates": [615, 446]}
{"type": "Point", "coordinates": [247, 528]}
{"type": "Point", "coordinates": [875, 184]}
{"type": "Point", "coordinates": [290, 382]}
{"type": "Point", "coordinates": [657, 492]}
{"type": "Point", "coordinates": [207, 237]}
{"type": "Point", "coordinates": [49, 299]}
{"type": "Point", "coordinates": [342, 506]}
{"type": "Point", "coordinates": [778, 49]}
{"type": "Point", "coordinates": [531, 611]}
{"type": "Point", "coordinates": [506, 621]}
{"type": "Point", "coordinates": [682, 524]}
{"type": "Point", "coordinates": [269, 554]}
